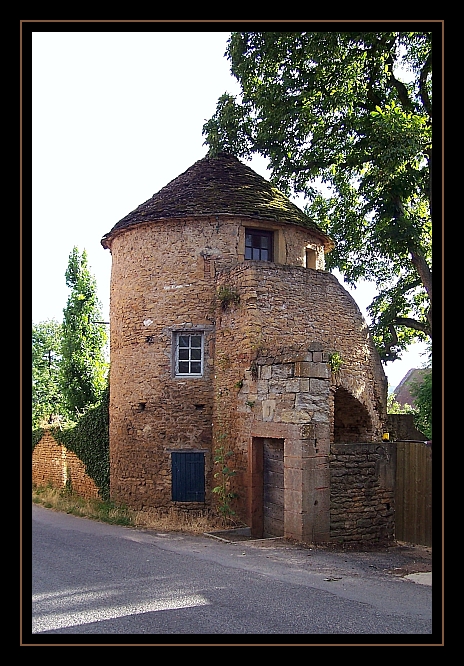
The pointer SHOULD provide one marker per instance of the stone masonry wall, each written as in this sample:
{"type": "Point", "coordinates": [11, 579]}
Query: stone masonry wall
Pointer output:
{"type": "Point", "coordinates": [162, 282]}
{"type": "Point", "coordinates": [53, 464]}
{"type": "Point", "coordinates": [164, 279]}
{"type": "Point", "coordinates": [272, 379]}
{"type": "Point", "coordinates": [266, 372]}
{"type": "Point", "coordinates": [362, 495]}
{"type": "Point", "coordinates": [289, 314]}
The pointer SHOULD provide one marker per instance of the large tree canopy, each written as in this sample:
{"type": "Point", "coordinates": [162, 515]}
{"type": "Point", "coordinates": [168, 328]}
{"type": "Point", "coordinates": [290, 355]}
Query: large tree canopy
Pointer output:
{"type": "Point", "coordinates": [346, 119]}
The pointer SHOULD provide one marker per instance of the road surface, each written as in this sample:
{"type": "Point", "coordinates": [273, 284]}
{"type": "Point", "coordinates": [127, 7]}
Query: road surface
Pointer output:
{"type": "Point", "coordinates": [109, 581]}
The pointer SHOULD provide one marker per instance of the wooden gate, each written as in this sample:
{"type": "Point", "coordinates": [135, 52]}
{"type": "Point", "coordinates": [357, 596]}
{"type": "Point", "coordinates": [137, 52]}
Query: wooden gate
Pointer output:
{"type": "Point", "coordinates": [413, 495]}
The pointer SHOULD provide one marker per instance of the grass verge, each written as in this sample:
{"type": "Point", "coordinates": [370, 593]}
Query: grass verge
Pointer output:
{"type": "Point", "coordinates": [195, 522]}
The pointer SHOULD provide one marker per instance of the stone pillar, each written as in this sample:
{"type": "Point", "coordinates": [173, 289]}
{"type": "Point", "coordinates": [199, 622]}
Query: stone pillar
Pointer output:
{"type": "Point", "coordinates": [307, 492]}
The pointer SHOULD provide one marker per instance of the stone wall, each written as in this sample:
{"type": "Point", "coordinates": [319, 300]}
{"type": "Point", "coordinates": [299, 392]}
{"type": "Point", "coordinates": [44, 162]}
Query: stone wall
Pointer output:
{"type": "Point", "coordinates": [273, 380]}
{"type": "Point", "coordinates": [53, 464]}
{"type": "Point", "coordinates": [267, 372]}
{"type": "Point", "coordinates": [164, 279]}
{"type": "Point", "coordinates": [401, 427]}
{"type": "Point", "coordinates": [362, 497]}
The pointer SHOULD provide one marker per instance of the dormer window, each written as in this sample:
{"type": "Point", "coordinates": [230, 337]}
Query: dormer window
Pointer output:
{"type": "Point", "coordinates": [258, 245]}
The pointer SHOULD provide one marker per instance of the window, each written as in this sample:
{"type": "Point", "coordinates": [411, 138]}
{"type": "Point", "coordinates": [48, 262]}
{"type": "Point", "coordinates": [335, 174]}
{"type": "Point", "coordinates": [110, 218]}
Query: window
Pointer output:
{"type": "Point", "coordinates": [310, 258]}
{"type": "Point", "coordinates": [188, 476]}
{"type": "Point", "coordinates": [258, 245]}
{"type": "Point", "coordinates": [189, 354]}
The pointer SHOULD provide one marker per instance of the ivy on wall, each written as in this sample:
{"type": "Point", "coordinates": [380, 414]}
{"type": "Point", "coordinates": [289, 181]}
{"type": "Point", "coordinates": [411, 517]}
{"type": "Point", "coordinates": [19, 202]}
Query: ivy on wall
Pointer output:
{"type": "Point", "coordinates": [89, 440]}
{"type": "Point", "coordinates": [37, 435]}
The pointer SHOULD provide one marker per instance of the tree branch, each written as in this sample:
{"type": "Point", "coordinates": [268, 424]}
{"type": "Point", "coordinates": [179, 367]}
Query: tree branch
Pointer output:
{"type": "Point", "coordinates": [424, 94]}
{"type": "Point", "coordinates": [423, 270]}
{"type": "Point", "coordinates": [412, 323]}
{"type": "Point", "coordinates": [400, 88]}
{"type": "Point", "coordinates": [388, 354]}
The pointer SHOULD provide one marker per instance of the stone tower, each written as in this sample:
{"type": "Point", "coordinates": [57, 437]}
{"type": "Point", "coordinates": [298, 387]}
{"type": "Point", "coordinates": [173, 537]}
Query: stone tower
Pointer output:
{"type": "Point", "coordinates": [226, 331]}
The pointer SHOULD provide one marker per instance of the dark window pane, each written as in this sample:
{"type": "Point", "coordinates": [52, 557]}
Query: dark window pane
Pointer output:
{"type": "Point", "coordinates": [196, 340]}
{"type": "Point", "coordinates": [258, 245]}
{"type": "Point", "coordinates": [183, 367]}
{"type": "Point", "coordinates": [183, 354]}
{"type": "Point", "coordinates": [183, 340]}
{"type": "Point", "coordinates": [195, 354]}
{"type": "Point", "coordinates": [196, 367]}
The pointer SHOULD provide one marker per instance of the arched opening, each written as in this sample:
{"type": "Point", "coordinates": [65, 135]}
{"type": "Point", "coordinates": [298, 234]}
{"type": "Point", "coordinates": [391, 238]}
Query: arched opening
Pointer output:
{"type": "Point", "coordinates": [352, 422]}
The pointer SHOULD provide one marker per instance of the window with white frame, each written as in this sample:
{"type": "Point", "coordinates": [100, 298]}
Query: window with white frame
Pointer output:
{"type": "Point", "coordinates": [189, 355]}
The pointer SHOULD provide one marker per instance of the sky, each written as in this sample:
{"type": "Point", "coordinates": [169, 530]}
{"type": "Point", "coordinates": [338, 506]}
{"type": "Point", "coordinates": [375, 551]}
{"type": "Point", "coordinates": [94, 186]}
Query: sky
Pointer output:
{"type": "Point", "coordinates": [115, 117]}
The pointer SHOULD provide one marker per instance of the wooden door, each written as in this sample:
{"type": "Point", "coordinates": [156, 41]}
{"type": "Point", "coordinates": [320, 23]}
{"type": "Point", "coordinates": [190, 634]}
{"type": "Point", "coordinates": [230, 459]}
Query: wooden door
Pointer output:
{"type": "Point", "coordinates": [273, 487]}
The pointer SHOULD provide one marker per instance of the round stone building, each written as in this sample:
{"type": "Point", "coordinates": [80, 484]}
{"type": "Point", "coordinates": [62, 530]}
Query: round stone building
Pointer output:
{"type": "Point", "coordinates": [228, 333]}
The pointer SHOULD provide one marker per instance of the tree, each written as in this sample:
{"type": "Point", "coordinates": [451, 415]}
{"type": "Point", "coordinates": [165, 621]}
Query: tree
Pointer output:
{"type": "Point", "coordinates": [394, 407]}
{"type": "Point", "coordinates": [346, 119]}
{"type": "Point", "coordinates": [423, 404]}
{"type": "Point", "coordinates": [46, 355]}
{"type": "Point", "coordinates": [83, 366]}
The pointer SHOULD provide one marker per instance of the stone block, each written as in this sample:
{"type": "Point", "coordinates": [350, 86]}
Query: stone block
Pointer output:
{"type": "Point", "coordinates": [307, 369]}
{"type": "Point", "coordinates": [268, 407]}
{"type": "Point", "coordinates": [295, 416]}
{"type": "Point", "coordinates": [265, 371]}
{"type": "Point", "coordinates": [292, 386]}
{"type": "Point", "coordinates": [282, 370]}
{"type": "Point", "coordinates": [302, 368]}
{"type": "Point", "coordinates": [320, 387]}
{"type": "Point", "coordinates": [308, 431]}
{"type": "Point", "coordinates": [293, 525]}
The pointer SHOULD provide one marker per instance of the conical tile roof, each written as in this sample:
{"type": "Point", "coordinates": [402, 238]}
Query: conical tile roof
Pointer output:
{"type": "Point", "coordinates": [219, 185]}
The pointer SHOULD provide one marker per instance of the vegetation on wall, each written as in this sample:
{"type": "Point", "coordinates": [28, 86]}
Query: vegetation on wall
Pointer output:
{"type": "Point", "coordinates": [89, 440]}
{"type": "Point", "coordinates": [223, 475]}
{"type": "Point", "coordinates": [70, 392]}
{"type": "Point", "coordinates": [335, 362]}
{"type": "Point", "coordinates": [227, 296]}
{"type": "Point", "coordinates": [37, 434]}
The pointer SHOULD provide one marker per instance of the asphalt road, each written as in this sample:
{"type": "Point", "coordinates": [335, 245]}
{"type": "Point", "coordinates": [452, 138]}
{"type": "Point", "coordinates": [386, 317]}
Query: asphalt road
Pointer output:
{"type": "Point", "coordinates": [114, 582]}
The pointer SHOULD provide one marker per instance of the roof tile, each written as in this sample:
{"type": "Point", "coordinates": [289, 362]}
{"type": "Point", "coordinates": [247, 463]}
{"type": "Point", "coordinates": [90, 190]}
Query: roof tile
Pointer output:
{"type": "Point", "coordinates": [214, 186]}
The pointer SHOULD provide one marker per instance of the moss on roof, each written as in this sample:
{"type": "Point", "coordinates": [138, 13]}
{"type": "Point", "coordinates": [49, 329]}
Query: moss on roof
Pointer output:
{"type": "Point", "coordinates": [213, 186]}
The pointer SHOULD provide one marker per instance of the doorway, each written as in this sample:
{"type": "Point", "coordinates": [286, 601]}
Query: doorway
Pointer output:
{"type": "Point", "coordinates": [267, 487]}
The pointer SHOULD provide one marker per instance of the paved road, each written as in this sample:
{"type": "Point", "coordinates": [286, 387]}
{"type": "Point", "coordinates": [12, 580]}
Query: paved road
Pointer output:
{"type": "Point", "coordinates": [93, 578]}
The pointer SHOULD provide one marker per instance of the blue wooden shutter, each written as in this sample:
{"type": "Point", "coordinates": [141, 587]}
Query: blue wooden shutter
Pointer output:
{"type": "Point", "coordinates": [188, 476]}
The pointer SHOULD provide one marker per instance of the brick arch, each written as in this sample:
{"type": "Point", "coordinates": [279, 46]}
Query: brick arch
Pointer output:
{"type": "Point", "coordinates": [352, 422]}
